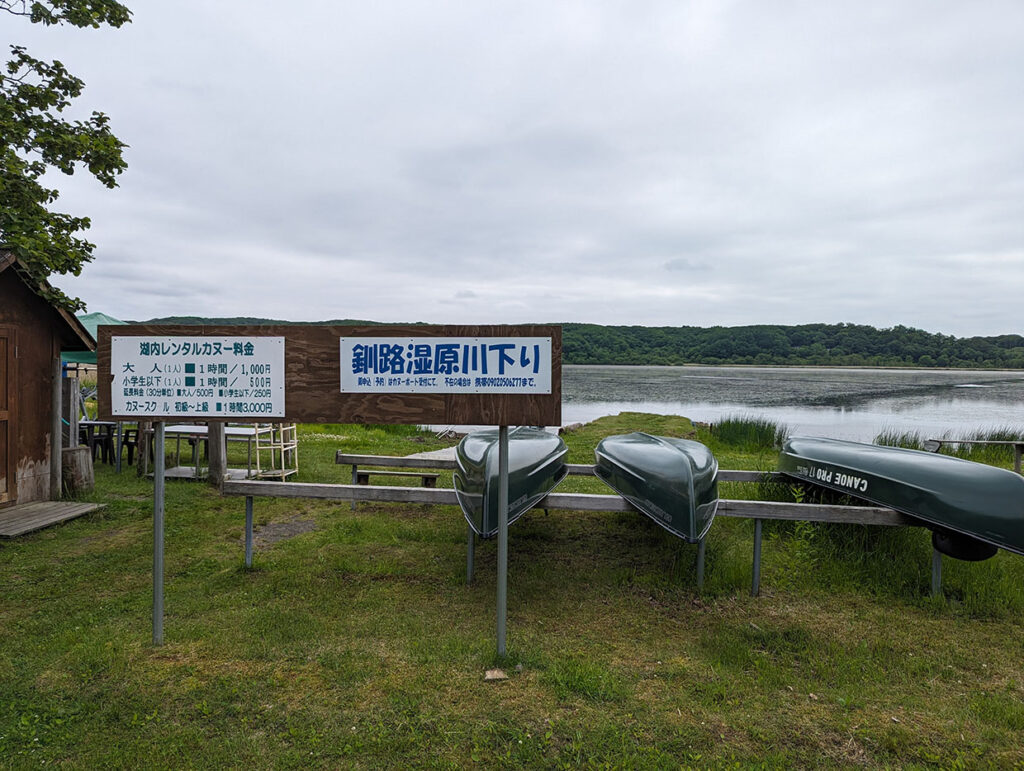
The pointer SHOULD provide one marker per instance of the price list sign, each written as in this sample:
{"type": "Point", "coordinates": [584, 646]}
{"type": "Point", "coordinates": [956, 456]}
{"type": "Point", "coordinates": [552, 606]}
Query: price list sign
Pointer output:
{"type": "Point", "coordinates": [197, 378]}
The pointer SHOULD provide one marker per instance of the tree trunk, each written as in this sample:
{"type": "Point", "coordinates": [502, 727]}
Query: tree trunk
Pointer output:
{"type": "Point", "coordinates": [77, 471]}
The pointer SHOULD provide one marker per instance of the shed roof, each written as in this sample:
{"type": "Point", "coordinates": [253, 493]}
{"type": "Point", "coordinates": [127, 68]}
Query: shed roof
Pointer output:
{"type": "Point", "coordinates": [74, 336]}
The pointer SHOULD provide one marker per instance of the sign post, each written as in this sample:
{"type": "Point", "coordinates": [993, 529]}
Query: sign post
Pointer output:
{"type": "Point", "coordinates": [502, 535]}
{"type": "Point", "coordinates": [158, 534]}
{"type": "Point", "coordinates": [189, 377]}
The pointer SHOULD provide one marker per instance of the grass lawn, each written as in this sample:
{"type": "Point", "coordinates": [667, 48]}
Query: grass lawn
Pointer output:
{"type": "Point", "coordinates": [355, 642]}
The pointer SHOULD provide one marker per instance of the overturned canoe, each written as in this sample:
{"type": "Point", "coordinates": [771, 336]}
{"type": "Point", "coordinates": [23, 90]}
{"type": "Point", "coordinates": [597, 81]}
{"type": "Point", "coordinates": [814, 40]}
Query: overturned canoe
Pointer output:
{"type": "Point", "coordinates": [672, 481]}
{"type": "Point", "coordinates": [971, 508]}
{"type": "Point", "coordinates": [536, 464]}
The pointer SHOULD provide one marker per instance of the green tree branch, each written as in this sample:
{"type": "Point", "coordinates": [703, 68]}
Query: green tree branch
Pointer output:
{"type": "Point", "coordinates": [35, 137]}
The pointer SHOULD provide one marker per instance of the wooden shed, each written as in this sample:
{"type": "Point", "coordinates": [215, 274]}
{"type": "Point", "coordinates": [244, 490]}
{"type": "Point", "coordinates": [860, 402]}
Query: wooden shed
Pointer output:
{"type": "Point", "coordinates": [33, 332]}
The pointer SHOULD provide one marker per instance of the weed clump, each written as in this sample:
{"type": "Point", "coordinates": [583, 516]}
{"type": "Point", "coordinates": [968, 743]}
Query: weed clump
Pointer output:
{"type": "Point", "coordinates": [749, 432]}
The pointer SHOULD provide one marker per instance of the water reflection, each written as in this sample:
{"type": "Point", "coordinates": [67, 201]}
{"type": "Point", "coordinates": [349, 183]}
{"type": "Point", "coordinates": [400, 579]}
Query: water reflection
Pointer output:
{"type": "Point", "coordinates": [844, 403]}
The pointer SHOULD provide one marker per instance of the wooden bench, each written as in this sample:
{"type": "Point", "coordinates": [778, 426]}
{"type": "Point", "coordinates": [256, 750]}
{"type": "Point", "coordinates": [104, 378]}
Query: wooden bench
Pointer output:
{"type": "Point", "coordinates": [427, 479]}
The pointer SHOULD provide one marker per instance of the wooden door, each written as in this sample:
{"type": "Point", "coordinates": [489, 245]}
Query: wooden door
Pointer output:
{"type": "Point", "coordinates": [8, 429]}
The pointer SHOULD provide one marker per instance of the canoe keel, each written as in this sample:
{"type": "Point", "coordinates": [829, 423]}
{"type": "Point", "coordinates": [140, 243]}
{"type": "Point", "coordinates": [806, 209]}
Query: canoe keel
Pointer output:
{"type": "Point", "coordinates": [672, 481]}
{"type": "Point", "coordinates": [536, 466]}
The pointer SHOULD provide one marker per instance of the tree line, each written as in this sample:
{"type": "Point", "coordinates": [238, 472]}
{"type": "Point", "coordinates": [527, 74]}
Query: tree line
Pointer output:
{"type": "Point", "coordinates": [835, 345]}
{"type": "Point", "coordinates": [806, 344]}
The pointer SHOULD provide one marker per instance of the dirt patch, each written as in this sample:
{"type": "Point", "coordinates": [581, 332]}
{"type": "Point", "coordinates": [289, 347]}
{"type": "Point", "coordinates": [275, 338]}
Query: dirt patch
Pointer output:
{"type": "Point", "coordinates": [106, 535]}
{"type": "Point", "coordinates": [274, 532]}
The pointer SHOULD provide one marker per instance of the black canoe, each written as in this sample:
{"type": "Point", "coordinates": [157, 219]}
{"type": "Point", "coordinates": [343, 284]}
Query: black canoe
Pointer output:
{"type": "Point", "coordinates": [971, 508]}
{"type": "Point", "coordinates": [672, 481]}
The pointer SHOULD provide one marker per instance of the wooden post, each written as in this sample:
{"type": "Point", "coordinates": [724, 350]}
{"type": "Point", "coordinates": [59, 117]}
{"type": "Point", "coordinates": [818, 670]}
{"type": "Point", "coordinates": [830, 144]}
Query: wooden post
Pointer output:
{"type": "Point", "coordinates": [70, 398]}
{"type": "Point", "coordinates": [56, 430]}
{"type": "Point", "coordinates": [217, 451]}
{"type": "Point", "coordinates": [142, 447]}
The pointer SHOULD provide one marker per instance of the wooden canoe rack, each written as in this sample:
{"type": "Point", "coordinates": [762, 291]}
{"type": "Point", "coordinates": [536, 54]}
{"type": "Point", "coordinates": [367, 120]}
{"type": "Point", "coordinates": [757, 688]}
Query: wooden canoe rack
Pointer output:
{"type": "Point", "coordinates": [759, 511]}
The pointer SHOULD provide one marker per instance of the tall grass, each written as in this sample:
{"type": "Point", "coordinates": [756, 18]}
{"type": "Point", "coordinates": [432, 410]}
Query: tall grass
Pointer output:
{"type": "Point", "coordinates": [891, 437]}
{"type": "Point", "coordinates": [992, 454]}
{"type": "Point", "coordinates": [749, 432]}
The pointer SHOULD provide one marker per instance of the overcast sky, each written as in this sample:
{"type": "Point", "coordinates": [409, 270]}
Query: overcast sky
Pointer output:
{"type": "Point", "coordinates": [655, 163]}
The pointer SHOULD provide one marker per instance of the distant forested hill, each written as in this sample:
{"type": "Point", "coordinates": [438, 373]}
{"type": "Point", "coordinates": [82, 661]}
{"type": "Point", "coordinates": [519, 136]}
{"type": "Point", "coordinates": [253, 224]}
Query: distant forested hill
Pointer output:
{"type": "Point", "coordinates": [816, 344]}
{"type": "Point", "coordinates": [813, 344]}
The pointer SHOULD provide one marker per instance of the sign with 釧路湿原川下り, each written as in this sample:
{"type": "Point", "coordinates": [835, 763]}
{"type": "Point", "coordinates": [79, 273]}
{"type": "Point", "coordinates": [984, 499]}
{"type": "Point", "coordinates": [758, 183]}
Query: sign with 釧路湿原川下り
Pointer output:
{"type": "Point", "coordinates": [413, 374]}
{"type": "Point", "coordinates": [446, 365]}
{"type": "Point", "coordinates": [197, 377]}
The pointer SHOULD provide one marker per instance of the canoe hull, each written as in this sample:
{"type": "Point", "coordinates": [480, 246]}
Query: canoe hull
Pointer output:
{"type": "Point", "coordinates": [672, 481]}
{"type": "Point", "coordinates": [536, 465]}
{"type": "Point", "coordinates": [959, 500]}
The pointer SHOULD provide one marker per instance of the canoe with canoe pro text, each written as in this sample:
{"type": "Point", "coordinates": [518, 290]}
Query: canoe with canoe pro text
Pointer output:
{"type": "Point", "coordinates": [971, 508]}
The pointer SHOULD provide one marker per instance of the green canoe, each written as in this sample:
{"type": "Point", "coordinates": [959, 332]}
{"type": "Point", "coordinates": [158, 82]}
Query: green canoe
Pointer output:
{"type": "Point", "coordinates": [672, 481]}
{"type": "Point", "coordinates": [971, 508]}
{"type": "Point", "coordinates": [536, 464]}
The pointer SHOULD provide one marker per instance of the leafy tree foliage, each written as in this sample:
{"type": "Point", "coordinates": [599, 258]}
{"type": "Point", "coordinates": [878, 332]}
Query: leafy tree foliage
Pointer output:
{"type": "Point", "coordinates": [35, 137]}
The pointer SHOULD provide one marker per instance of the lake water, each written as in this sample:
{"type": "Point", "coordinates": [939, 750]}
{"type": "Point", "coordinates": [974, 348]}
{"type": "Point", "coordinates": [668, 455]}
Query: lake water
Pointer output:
{"type": "Point", "coordinates": [844, 403]}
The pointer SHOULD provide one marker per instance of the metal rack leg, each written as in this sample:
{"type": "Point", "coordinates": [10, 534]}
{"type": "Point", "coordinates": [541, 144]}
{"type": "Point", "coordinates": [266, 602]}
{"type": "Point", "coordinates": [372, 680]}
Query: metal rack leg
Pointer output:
{"type": "Point", "coordinates": [700, 564]}
{"type": "Point", "coordinates": [936, 573]}
{"type": "Point", "coordinates": [470, 549]}
{"type": "Point", "coordinates": [755, 586]}
{"type": "Point", "coordinates": [355, 481]}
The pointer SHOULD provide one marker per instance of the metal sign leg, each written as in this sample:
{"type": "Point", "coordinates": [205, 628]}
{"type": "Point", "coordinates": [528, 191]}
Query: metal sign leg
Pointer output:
{"type": "Point", "coordinates": [502, 534]}
{"type": "Point", "coordinates": [158, 534]}
{"type": "Point", "coordinates": [248, 531]}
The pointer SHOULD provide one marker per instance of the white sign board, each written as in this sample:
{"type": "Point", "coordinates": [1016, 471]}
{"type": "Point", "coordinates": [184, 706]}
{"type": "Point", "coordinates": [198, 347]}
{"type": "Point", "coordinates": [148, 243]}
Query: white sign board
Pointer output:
{"type": "Point", "coordinates": [197, 378]}
{"type": "Point", "coordinates": [446, 365]}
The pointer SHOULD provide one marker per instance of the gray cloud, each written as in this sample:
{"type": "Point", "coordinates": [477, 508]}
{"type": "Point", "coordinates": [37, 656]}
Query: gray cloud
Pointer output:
{"type": "Point", "coordinates": [700, 163]}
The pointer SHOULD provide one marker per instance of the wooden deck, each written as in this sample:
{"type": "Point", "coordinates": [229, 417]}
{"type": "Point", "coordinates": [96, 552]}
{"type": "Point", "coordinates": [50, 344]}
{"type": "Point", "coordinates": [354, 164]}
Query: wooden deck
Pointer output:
{"type": "Point", "coordinates": [26, 517]}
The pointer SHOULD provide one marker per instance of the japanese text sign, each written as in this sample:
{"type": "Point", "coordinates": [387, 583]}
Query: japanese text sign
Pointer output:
{"type": "Point", "coordinates": [197, 378]}
{"type": "Point", "coordinates": [446, 365]}
{"type": "Point", "coordinates": [422, 374]}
